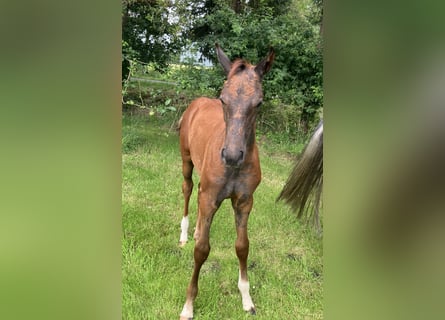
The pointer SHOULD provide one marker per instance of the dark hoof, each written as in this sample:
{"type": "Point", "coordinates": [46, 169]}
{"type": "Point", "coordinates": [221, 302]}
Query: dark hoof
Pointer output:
{"type": "Point", "coordinates": [252, 311]}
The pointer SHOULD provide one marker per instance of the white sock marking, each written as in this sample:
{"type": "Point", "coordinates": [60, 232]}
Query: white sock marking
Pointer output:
{"type": "Point", "coordinates": [187, 311]}
{"type": "Point", "coordinates": [243, 287]}
{"type": "Point", "coordinates": [184, 229]}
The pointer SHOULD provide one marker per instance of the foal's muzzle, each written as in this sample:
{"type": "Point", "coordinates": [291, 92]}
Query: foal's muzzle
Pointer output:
{"type": "Point", "coordinates": [232, 158]}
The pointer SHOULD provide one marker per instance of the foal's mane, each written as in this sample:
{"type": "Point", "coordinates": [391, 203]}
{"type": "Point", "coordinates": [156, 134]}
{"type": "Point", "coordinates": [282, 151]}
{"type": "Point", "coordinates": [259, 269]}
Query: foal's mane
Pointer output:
{"type": "Point", "coordinates": [237, 66]}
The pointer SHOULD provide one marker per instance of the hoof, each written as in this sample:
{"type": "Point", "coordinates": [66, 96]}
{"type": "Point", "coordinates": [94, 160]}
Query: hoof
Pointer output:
{"type": "Point", "coordinates": [252, 311]}
{"type": "Point", "coordinates": [185, 318]}
{"type": "Point", "coordinates": [182, 245]}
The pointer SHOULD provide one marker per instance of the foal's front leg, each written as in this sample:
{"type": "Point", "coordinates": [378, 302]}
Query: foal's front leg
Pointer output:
{"type": "Point", "coordinates": [207, 209]}
{"type": "Point", "coordinates": [242, 206]}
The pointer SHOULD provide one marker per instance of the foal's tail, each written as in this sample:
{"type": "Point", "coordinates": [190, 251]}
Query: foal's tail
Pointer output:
{"type": "Point", "coordinates": [305, 183]}
{"type": "Point", "coordinates": [178, 124]}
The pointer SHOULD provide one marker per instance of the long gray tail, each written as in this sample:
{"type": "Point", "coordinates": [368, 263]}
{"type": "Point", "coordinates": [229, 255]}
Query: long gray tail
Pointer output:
{"type": "Point", "coordinates": [305, 183]}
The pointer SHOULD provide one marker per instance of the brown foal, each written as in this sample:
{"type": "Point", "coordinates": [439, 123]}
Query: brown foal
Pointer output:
{"type": "Point", "coordinates": [217, 137]}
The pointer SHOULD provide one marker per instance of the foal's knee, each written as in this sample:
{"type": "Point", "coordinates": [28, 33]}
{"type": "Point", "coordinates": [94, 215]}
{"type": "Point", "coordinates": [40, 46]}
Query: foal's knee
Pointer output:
{"type": "Point", "coordinates": [242, 248]}
{"type": "Point", "coordinates": [202, 250]}
{"type": "Point", "coordinates": [187, 187]}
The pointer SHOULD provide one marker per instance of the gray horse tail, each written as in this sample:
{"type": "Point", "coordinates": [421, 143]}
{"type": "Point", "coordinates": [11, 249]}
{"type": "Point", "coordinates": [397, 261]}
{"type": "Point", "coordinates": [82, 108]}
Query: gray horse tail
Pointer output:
{"type": "Point", "coordinates": [305, 183]}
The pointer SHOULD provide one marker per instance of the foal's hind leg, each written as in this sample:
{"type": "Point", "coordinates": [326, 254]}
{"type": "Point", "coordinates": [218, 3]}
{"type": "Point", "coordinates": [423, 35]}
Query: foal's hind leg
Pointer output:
{"type": "Point", "coordinates": [187, 187]}
{"type": "Point", "coordinates": [242, 206]}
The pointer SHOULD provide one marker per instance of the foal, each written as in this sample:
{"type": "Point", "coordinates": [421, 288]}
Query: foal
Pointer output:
{"type": "Point", "coordinates": [217, 136]}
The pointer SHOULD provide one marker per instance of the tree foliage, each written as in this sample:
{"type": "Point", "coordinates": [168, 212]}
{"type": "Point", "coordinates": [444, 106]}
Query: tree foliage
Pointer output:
{"type": "Point", "coordinates": [247, 29]}
{"type": "Point", "coordinates": [150, 33]}
{"type": "Point", "coordinates": [244, 29]}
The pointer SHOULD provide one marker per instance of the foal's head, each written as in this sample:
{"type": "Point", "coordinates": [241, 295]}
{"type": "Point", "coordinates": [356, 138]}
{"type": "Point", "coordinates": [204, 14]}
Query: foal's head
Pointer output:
{"type": "Point", "coordinates": [241, 96]}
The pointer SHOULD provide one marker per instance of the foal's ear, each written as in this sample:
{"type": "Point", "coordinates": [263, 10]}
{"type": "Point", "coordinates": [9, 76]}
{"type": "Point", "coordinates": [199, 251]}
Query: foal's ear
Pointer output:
{"type": "Point", "coordinates": [264, 66]}
{"type": "Point", "coordinates": [222, 58]}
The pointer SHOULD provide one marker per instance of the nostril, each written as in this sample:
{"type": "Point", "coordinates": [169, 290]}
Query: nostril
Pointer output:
{"type": "Point", "coordinates": [223, 153]}
{"type": "Point", "coordinates": [241, 155]}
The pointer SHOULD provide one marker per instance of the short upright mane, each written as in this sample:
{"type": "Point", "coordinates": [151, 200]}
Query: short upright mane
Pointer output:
{"type": "Point", "coordinates": [237, 66]}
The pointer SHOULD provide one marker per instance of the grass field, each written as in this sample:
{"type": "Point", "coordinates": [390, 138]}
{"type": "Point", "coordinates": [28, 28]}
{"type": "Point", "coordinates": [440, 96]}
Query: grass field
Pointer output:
{"type": "Point", "coordinates": [285, 260]}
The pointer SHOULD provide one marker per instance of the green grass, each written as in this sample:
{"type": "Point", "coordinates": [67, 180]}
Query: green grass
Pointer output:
{"type": "Point", "coordinates": [285, 260]}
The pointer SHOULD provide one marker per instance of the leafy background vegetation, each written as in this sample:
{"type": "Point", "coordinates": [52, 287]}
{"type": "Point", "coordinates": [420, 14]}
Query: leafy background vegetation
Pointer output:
{"type": "Point", "coordinates": [155, 33]}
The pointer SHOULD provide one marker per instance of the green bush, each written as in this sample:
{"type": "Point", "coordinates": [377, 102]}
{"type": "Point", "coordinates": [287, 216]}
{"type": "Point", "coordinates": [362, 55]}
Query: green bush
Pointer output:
{"type": "Point", "coordinates": [293, 89]}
